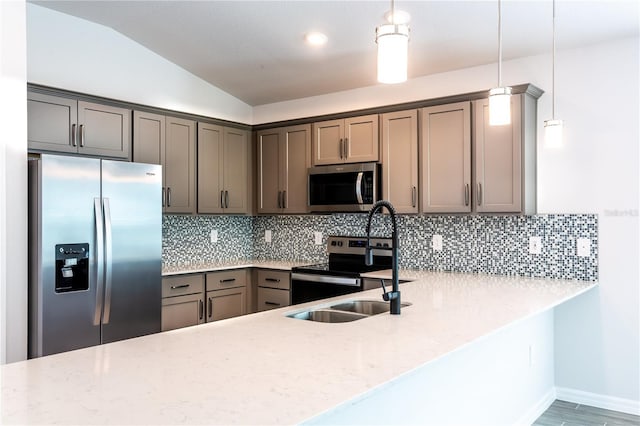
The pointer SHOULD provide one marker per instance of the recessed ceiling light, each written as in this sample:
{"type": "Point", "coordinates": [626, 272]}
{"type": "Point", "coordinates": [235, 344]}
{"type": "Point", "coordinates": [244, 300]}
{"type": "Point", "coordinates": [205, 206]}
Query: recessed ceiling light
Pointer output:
{"type": "Point", "coordinates": [401, 17]}
{"type": "Point", "coordinates": [316, 38]}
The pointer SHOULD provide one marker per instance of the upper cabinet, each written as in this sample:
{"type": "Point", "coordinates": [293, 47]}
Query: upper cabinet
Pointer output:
{"type": "Point", "coordinates": [445, 144]}
{"type": "Point", "coordinates": [223, 169]}
{"type": "Point", "coordinates": [171, 142]}
{"type": "Point", "coordinates": [349, 140]}
{"type": "Point", "coordinates": [284, 154]}
{"type": "Point", "coordinates": [67, 125]}
{"type": "Point", "coordinates": [505, 159]}
{"type": "Point", "coordinates": [400, 160]}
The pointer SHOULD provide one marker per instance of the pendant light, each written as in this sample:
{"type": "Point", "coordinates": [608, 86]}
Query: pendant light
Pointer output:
{"type": "Point", "coordinates": [553, 127]}
{"type": "Point", "coordinates": [500, 97]}
{"type": "Point", "coordinates": [393, 44]}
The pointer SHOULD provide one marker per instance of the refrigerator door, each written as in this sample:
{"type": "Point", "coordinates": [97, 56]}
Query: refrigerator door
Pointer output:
{"type": "Point", "coordinates": [131, 201]}
{"type": "Point", "coordinates": [63, 273]}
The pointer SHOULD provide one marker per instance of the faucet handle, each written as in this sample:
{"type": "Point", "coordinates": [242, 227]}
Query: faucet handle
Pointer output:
{"type": "Point", "coordinates": [385, 294]}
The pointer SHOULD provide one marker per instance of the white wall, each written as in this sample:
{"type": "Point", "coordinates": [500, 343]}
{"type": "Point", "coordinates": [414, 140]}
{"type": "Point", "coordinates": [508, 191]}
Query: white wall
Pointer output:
{"type": "Point", "coordinates": [597, 337]}
{"type": "Point", "coordinates": [13, 182]}
{"type": "Point", "coordinates": [75, 54]}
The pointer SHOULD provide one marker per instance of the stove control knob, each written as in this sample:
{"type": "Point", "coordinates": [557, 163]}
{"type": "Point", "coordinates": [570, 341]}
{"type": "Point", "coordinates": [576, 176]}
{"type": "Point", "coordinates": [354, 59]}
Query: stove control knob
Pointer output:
{"type": "Point", "coordinates": [378, 244]}
{"type": "Point", "coordinates": [339, 243]}
{"type": "Point", "coordinates": [385, 245]}
{"type": "Point", "coordinates": [333, 243]}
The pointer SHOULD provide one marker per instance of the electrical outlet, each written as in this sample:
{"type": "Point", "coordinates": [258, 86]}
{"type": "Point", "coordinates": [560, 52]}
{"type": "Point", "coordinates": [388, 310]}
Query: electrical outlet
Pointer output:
{"type": "Point", "coordinates": [214, 236]}
{"type": "Point", "coordinates": [436, 242]}
{"type": "Point", "coordinates": [584, 247]}
{"type": "Point", "coordinates": [317, 238]}
{"type": "Point", "coordinates": [535, 245]}
{"type": "Point", "coordinates": [267, 236]}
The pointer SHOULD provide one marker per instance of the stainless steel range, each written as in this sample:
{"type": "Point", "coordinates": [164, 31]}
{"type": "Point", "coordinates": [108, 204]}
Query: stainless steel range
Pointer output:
{"type": "Point", "coordinates": [342, 274]}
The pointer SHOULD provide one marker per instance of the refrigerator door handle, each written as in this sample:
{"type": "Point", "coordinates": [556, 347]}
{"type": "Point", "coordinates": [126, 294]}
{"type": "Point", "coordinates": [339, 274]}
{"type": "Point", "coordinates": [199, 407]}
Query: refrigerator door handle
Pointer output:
{"type": "Point", "coordinates": [99, 248]}
{"type": "Point", "coordinates": [108, 247]}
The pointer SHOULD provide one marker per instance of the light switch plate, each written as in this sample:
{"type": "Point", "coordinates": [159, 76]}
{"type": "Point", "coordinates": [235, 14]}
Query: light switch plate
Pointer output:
{"type": "Point", "coordinates": [317, 238]}
{"type": "Point", "coordinates": [584, 247]}
{"type": "Point", "coordinates": [214, 236]}
{"type": "Point", "coordinates": [535, 245]}
{"type": "Point", "coordinates": [436, 242]}
{"type": "Point", "coordinates": [267, 236]}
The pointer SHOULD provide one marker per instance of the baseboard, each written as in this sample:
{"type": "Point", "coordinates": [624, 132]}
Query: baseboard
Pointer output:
{"type": "Point", "coordinates": [536, 411]}
{"type": "Point", "coordinates": [623, 405]}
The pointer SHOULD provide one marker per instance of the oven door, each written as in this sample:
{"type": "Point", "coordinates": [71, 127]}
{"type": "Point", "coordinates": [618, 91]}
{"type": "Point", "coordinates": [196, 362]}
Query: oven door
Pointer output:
{"type": "Point", "coordinates": [310, 287]}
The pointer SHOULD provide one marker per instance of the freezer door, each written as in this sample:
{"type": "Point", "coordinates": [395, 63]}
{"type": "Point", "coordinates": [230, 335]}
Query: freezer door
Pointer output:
{"type": "Point", "coordinates": [63, 228]}
{"type": "Point", "coordinates": [131, 200]}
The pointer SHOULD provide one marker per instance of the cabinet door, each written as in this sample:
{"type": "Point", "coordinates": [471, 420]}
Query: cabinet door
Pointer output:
{"type": "Point", "coordinates": [361, 139]}
{"type": "Point", "coordinates": [182, 311]}
{"type": "Point", "coordinates": [294, 161]}
{"type": "Point", "coordinates": [210, 175]}
{"type": "Point", "coordinates": [446, 158]}
{"type": "Point", "coordinates": [498, 160]}
{"type": "Point", "coordinates": [236, 170]}
{"type": "Point", "coordinates": [103, 130]}
{"type": "Point", "coordinates": [51, 123]}
{"type": "Point", "coordinates": [223, 304]}
{"type": "Point", "coordinates": [271, 298]}
{"type": "Point", "coordinates": [179, 166]}
{"type": "Point", "coordinates": [269, 192]}
{"type": "Point", "coordinates": [148, 137]}
{"type": "Point", "coordinates": [400, 160]}
{"type": "Point", "coordinates": [328, 142]}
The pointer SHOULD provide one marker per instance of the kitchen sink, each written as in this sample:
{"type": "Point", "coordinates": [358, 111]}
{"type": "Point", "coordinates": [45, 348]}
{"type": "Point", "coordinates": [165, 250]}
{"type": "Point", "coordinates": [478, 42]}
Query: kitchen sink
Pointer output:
{"type": "Point", "coordinates": [351, 310]}
{"type": "Point", "coordinates": [367, 307]}
{"type": "Point", "coordinates": [328, 315]}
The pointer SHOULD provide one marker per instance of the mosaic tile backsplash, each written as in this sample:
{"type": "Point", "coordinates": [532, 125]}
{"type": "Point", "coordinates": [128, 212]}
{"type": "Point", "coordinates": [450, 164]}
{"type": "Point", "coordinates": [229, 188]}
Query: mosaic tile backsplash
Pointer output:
{"type": "Point", "coordinates": [471, 243]}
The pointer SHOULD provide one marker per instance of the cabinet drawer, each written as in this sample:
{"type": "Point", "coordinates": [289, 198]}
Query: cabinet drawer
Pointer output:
{"type": "Point", "coordinates": [229, 303]}
{"type": "Point", "coordinates": [226, 279]}
{"type": "Point", "coordinates": [182, 284]}
{"type": "Point", "coordinates": [274, 279]}
{"type": "Point", "coordinates": [271, 298]}
{"type": "Point", "coordinates": [182, 311]}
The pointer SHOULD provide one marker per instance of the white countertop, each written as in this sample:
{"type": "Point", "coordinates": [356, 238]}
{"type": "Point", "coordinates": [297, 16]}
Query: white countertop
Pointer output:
{"type": "Point", "coordinates": [266, 368]}
{"type": "Point", "coordinates": [220, 266]}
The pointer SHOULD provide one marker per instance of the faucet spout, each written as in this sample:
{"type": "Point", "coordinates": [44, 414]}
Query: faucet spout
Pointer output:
{"type": "Point", "coordinates": [394, 295]}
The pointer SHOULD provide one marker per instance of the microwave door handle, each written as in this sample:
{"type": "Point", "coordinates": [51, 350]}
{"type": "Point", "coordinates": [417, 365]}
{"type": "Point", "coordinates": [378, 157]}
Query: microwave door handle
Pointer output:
{"type": "Point", "coordinates": [359, 187]}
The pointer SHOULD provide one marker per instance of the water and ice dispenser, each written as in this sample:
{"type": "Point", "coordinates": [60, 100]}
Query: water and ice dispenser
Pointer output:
{"type": "Point", "coordinates": [72, 267]}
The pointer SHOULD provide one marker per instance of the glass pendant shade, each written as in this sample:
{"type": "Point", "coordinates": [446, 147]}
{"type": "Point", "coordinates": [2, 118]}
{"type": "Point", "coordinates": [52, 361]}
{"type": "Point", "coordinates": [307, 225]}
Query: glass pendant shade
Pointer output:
{"type": "Point", "coordinates": [393, 44]}
{"type": "Point", "coordinates": [500, 106]}
{"type": "Point", "coordinates": [553, 133]}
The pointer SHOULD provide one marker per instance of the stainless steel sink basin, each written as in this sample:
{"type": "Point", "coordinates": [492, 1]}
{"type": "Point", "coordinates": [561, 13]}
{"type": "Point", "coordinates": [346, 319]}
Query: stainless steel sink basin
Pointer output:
{"type": "Point", "coordinates": [351, 310]}
{"type": "Point", "coordinates": [328, 315]}
{"type": "Point", "coordinates": [367, 307]}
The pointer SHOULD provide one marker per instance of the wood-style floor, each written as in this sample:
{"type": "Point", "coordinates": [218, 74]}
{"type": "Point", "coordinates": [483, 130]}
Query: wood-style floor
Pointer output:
{"type": "Point", "coordinates": [562, 413]}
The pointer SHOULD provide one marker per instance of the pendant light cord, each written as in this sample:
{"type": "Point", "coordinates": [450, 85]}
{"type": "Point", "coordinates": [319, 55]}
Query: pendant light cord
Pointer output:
{"type": "Point", "coordinates": [553, 66]}
{"type": "Point", "coordinates": [393, 12]}
{"type": "Point", "coordinates": [499, 43]}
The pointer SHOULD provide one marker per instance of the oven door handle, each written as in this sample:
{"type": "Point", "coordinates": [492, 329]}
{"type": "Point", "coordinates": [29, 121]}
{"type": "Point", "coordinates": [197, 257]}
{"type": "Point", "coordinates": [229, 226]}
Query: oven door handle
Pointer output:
{"type": "Point", "coordinates": [359, 187]}
{"type": "Point", "coordinates": [326, 279]}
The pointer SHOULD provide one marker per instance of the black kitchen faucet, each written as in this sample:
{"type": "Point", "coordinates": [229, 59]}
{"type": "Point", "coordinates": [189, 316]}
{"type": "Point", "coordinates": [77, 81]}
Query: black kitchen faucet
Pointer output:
{"type": "Point", "coordinates": [394, 295]}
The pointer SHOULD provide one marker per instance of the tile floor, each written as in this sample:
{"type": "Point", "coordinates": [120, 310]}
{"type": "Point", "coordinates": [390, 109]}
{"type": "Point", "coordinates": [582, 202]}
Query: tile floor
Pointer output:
{"type": "Point", "coordinates": [562, 413]}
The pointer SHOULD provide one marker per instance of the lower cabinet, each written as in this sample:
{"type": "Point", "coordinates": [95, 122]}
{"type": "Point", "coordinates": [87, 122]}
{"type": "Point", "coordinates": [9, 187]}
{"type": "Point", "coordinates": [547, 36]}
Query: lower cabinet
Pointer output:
{"type": "Point", "coordinates": [226, 294]}
{"type": "Point", "coordinates": [273, 289]}
{"type": "Point", "coordinates": [182, 301]}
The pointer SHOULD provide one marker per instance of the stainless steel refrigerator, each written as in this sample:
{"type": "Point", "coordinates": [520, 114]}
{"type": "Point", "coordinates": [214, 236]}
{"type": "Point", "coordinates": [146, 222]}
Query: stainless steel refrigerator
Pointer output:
{"type": "Point", "coordinates": [95, 248]}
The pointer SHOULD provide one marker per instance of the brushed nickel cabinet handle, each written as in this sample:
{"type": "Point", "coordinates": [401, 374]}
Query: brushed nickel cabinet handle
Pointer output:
{"type": "Point", "coordinates": [279, 199]}
{"type": "Point", "coordinates": [466, 194]}
{"type": "Point", "coordinates": [414, 196]}
{"type": "Point", "coordinates": [82, 135]}
{"type": "Point", "coordinates": [210, 307]}
{"type": "Point", "coordinates": [222, 199]}
{"type": "Point", "coordinates": [201, 310]}
{"type": "Point", "coordinates": [168, 197]}
{"type": "Point", "coordinates": [226, 199]}
{"type": "Point", "coordinates": [346, 148]}
{"type": "Point", "coordinates": [73, 135]}
{"type": "Point", "coordinates": [271, 303]}
{"type": "Point", "coordinates": [227, 280]}
{"type": "Point", "coordinates": [272, 280]}
{"type": "Point", "coordinates": [479, 194]}
{"type": "Point", "coordinates": [341, 148]}
{"type": "Point", "coordinates": [163, 196]}
{"type": "Point", "coordinates": [284, 199]}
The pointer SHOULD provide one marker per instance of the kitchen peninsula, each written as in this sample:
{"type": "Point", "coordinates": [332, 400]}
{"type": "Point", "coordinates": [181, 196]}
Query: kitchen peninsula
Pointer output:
{"type": "Point", "coordinates": [266, 368]}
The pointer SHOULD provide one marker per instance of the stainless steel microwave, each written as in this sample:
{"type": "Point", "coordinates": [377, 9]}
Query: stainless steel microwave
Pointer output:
{"type": "Point", "coordinates": [344, 187]}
